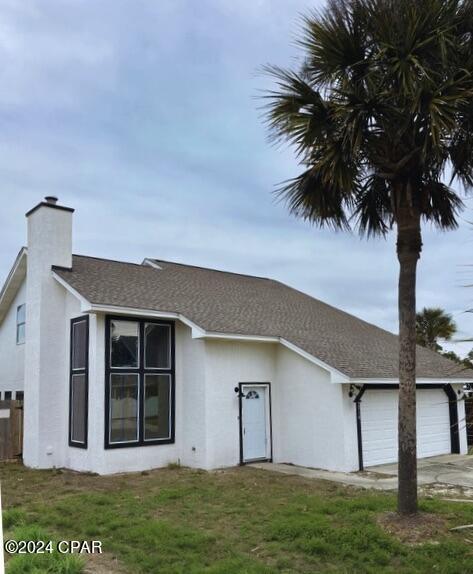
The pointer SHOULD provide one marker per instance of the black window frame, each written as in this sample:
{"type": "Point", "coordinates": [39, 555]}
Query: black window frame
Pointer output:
{"type": "Point", "coordinates": [141, 370]}
{"type": "Point", "coordinates": [83, 371]}
{"type": "Point", "coordinates": [19, 324]}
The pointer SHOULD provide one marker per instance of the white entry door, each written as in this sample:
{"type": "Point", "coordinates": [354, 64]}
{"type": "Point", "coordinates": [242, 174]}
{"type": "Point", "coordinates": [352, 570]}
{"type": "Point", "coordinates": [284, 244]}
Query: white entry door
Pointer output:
{"type": "Point", "coordinates": [255, 422]}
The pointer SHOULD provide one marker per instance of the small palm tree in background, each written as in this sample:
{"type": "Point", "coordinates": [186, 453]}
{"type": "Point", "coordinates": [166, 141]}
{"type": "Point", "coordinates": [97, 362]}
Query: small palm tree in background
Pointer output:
{"type": "Point", "coordinates": [433, 324]}
{"type": "Point", "coordinates": [380, 114]}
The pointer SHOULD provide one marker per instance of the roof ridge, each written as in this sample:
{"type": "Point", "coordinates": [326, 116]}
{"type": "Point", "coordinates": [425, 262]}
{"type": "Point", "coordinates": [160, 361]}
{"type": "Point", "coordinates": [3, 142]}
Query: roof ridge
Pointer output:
{"type": "Point", "coordinates": [110, 260]}
{"type": "Point", "coordinates": [210, 269]}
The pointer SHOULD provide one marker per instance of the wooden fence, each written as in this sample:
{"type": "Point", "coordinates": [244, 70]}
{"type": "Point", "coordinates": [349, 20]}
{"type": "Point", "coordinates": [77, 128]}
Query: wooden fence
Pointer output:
{"type": "Point", "coordinates": [11, 430]}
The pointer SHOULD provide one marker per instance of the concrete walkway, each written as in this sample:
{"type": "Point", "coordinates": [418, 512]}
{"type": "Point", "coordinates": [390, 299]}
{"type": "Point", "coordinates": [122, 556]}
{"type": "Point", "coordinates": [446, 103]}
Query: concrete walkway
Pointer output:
{"type": "Point", "coordinates": [450, 469]}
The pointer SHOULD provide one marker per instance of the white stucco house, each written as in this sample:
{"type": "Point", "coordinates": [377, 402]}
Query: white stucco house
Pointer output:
{"type": "Point", "coordinates": [126, 367]}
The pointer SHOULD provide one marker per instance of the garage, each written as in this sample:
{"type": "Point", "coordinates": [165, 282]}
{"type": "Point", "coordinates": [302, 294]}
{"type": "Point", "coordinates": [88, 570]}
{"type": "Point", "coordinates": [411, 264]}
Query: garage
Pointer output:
{"type": "Point", "coordinates": [378, 424]}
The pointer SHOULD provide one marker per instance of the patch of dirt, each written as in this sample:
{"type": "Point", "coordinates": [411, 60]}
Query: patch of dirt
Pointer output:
{"type": "Point", "coordinates": [446, 490]}
{"type": "Point", "coordinates": [102, 564]}
{"type": "Point", "coordinates": [374, 474]}
{"type": "Point", "coordinates": [421, 528]}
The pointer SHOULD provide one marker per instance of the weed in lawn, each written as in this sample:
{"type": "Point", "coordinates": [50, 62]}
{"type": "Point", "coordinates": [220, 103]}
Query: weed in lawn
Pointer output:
{"type": "Point", "coordinates": [54, 563]}
{"type": "Point", "coordinates": [13, 517]}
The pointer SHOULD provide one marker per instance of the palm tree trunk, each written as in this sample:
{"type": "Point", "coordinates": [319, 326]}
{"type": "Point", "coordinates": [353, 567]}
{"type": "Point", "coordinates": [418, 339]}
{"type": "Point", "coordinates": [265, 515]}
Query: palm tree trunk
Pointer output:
{"type": "Point", "coordinates": [409, 245]}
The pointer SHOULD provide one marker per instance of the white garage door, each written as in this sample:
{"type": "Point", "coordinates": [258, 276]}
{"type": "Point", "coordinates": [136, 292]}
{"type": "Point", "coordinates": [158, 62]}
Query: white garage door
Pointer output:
{"type": "Point", "coordinates": [379, 425]}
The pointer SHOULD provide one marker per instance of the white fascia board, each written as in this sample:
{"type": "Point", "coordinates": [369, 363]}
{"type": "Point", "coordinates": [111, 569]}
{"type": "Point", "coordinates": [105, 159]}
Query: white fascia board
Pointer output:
{"type": "Point", "coordinates": [136, 312]}
{"type": "Point", "coordinates": [419, 381]}
{"type": "Point", "coordinates": [84, 303]}
{"type": "Point", "coordinates": [336, 376]}
{"type": "Point", "coordinates": [13, 282]}
{"type": "Point", "coordinates": [237, 337]}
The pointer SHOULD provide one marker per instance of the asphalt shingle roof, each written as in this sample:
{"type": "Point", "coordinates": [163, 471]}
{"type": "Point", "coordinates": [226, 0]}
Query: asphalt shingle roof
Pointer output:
{"type": "Point", "coordinates": [229, 303]}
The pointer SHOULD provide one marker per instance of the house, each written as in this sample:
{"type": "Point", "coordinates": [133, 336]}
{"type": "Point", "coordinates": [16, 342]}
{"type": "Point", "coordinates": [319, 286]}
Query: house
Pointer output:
{"type": "Point", "coordinates": [126, 367]}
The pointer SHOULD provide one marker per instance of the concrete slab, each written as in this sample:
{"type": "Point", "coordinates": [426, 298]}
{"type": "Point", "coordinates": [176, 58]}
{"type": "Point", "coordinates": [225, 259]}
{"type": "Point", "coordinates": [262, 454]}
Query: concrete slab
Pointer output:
{"type": "Point", "coordinates": [452, 469]}
{"type": "Point", "coordinates": [351, 479]}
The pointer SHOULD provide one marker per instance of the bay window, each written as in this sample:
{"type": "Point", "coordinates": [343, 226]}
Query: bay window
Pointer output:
{"type": "Point", "coordinates": [139, 382]}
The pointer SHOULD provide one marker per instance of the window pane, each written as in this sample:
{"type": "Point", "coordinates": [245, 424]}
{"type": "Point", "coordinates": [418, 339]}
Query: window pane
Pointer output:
{"type": "Point", "coordinates": [20, 334]}
{"type": "Point", "coordinates": [157, 395]}
{"type": "Point", "coordinates": [123, 408]}
{"type": "Point", "coordinates": [19, 395]}
{"type": "Point", "coordinates": [78, 406]}
{"type": "Point", "coordinates": [124, 342]}
{"type": "Point", "coordinates": [79, 345]}
{"type": "Point", "coordinates": [158, 346]}
{"type": "Point", "coordinates": [21, 314]}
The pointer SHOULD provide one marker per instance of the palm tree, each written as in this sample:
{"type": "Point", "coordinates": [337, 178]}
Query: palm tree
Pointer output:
{"type": "Point", "coordinates": [380, 112]}
{"type": "Point", "coordinates": [433, 324]}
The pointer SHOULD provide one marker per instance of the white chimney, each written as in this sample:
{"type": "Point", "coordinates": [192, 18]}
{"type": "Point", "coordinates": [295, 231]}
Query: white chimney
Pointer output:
{"type": "Point", "coordinates": [50, 233]}
{"type": "Point", "coordinates": [49, 243]}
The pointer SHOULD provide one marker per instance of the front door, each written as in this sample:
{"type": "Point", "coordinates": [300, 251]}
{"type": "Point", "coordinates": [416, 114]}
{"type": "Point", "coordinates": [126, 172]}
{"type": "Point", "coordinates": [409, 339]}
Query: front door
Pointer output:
{"type": "Point", "coordinates": [255, 422]}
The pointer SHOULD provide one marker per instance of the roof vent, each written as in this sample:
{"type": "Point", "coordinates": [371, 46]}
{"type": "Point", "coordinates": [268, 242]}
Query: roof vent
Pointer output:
{"type": "Point", "coordinates": [51, 199]}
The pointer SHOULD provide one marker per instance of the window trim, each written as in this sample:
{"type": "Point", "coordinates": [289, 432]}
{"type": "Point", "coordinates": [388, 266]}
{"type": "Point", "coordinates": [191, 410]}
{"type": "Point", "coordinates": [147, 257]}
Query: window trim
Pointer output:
{"type": "Point", "coordinates": [147, 440]}
{"type": "Point", "coordinates": [141, 370]}
{"type": "Point", "coordinates": [109, 411]}
{"type": "Point", "coordinates": [164, 324]}
{"type": "Point", "coordinates": [20, 324]}
{"type": "Point", "coordinates": [75, 372]}
{"type": "Point", "coordinates": [126, 368]}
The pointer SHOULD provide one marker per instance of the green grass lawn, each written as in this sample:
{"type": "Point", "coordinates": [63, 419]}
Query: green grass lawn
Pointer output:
{"type": "Point", "coordinates": [244, 520]}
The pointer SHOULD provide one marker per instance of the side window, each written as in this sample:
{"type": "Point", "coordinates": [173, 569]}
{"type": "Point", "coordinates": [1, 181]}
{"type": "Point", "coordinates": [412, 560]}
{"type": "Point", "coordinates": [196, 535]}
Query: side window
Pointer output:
{"type": "Point", "coordinates": [79, 382]}
{"type": "Point", "coordinates": [20, 324]}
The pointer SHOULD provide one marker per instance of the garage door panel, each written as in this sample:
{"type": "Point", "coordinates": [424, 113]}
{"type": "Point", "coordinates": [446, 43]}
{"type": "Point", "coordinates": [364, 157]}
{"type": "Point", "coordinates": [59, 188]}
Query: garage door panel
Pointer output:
{"type": "Point", "coordinates": [379, 425]}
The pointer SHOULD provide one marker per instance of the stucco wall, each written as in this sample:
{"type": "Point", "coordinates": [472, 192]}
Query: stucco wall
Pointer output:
{"type": "Point", "coordinates": [307, 410]}
{"type": "Point", "coordinates": [12, 356]}
{"type": "Point", "coordinates": [45, 447]}
{"type": "Point", "coordinates": [307, 414]}
{"type": "Point", "coordinates": [227, 364]}
{"type": "Point", "coordinates": [192, 415]}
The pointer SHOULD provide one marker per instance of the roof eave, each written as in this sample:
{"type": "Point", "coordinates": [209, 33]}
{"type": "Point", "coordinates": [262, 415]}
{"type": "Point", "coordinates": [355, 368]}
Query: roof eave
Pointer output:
{"type": "Point", "coordinates": [85, 304]}
{"type": "Point", "coordinates": [419, 380]}
{"type": "Point", "coordinates": [13, 282]}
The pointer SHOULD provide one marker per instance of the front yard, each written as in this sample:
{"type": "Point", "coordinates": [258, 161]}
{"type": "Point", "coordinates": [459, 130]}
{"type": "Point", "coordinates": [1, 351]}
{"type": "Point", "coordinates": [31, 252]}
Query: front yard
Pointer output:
{"type": "Point", "coordinates": [238, 521]}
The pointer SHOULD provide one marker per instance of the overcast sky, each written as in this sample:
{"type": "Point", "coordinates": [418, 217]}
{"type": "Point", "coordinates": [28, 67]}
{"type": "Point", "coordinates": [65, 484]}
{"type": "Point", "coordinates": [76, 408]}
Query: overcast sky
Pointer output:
{"type": "Point", "coordinates": [143, 115]}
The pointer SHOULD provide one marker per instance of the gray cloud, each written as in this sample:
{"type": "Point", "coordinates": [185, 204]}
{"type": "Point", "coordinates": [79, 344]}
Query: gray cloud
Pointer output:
{"type": "Point", "coordinates": [144, 116]}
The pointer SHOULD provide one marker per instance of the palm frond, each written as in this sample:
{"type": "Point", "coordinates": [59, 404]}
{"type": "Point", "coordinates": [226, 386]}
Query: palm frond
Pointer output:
{"type": "Point", "coordinates": [311, 198]}
{"type": "Point", "coordinates": [373, 210]}
{"type": "Point", "coordinates": [443, 205]}
{"type": "Point", "coordinates": [295, 111]}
